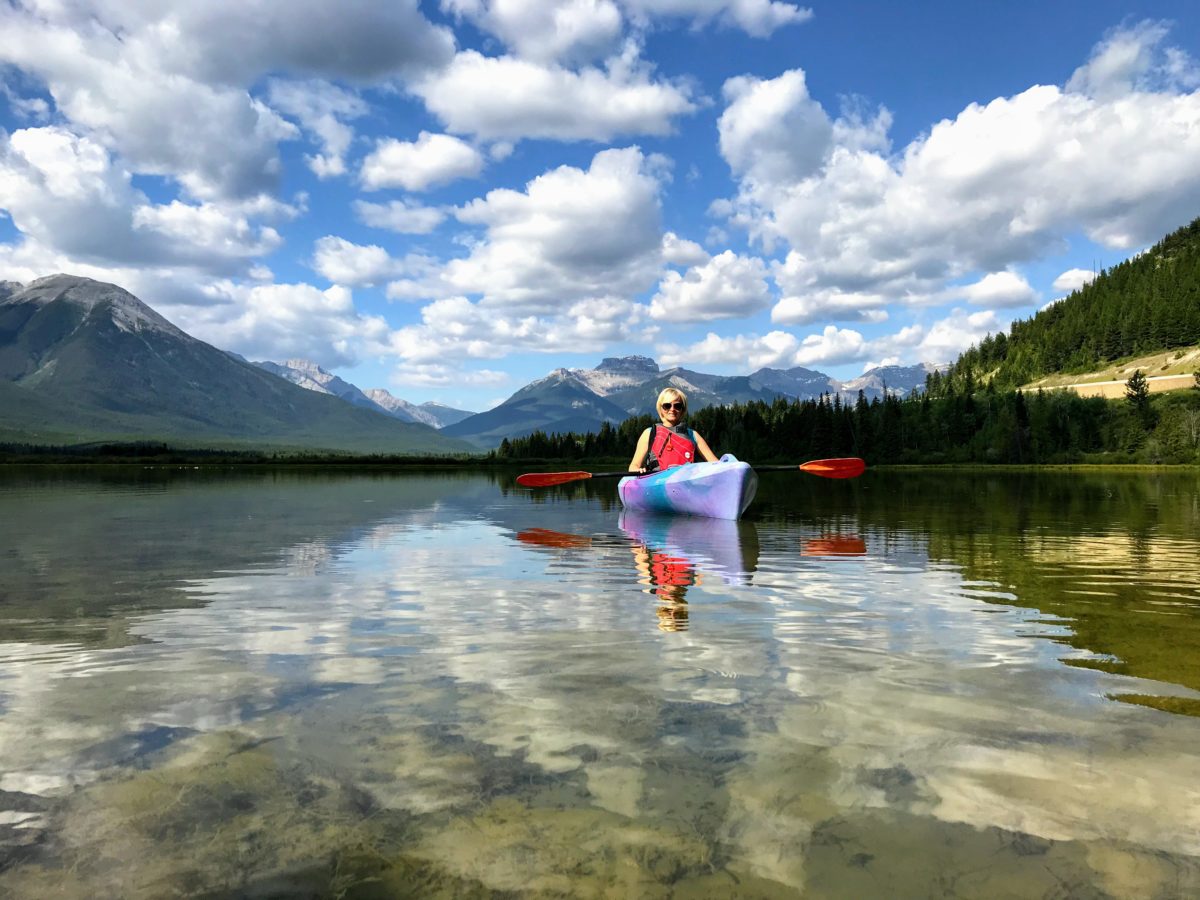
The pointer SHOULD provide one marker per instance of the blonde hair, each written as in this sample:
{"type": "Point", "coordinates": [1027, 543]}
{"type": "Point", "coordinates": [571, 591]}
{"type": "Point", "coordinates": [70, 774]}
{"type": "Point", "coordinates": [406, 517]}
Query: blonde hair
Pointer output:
{"type": "Point", "coordinates": [668, 393]}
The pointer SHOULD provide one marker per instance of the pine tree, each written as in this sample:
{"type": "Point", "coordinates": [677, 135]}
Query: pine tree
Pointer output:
{"type": "Point", "coordinates": [1137, 392]}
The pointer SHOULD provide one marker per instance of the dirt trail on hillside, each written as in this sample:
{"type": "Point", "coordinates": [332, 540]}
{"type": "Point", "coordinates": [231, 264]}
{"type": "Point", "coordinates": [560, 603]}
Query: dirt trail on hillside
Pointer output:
{"type": "Point", "coordinates": [1110, 389]}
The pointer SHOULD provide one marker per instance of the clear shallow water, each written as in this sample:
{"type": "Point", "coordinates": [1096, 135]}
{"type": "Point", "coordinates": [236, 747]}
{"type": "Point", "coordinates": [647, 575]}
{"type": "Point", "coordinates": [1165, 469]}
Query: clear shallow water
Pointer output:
{"type": "Point", "coordinates": [327, 684]}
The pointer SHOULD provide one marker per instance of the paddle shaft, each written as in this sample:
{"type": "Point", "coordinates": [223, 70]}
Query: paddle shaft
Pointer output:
{"type": "Point", "coordinates": [825, 468]}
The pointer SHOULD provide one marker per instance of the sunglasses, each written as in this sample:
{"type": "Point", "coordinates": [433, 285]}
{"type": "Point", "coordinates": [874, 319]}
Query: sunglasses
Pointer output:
{"type": "Point", "coordinates": [675, 405]}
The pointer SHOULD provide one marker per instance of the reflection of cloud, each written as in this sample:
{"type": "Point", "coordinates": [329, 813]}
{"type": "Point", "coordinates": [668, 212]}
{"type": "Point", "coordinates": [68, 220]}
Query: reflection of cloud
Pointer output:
{"type": "Point", "coordinates": [433, 659]}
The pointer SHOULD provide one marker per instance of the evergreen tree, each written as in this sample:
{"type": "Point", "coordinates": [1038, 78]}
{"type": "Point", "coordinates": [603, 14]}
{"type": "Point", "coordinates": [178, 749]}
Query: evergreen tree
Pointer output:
{"type": "Point", "coordinates": [1137, 392]}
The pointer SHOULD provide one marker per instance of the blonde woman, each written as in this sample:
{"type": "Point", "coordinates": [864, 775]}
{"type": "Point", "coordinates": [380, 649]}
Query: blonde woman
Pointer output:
{"type": "Point", "coordinates": [669, 443]}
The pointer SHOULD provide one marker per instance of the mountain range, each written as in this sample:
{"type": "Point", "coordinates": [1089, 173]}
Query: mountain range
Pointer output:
{"type": "Point", "coordinates": [84, 361]}
{"type": "Point", "coordinates": [309, 375]}
{"type": "Point", "coordinates": [581, 400]}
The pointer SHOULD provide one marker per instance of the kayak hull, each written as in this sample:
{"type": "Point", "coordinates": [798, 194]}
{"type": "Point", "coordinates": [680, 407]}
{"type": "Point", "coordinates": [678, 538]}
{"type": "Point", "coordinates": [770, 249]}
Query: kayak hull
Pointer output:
{"type": "Point", "coordinates": [720, 490]}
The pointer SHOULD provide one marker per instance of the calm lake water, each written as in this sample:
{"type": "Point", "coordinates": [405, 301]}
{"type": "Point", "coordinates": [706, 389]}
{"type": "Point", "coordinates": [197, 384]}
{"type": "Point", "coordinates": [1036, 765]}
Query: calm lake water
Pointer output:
{"type": "Point", "coordinates": [916, 684]}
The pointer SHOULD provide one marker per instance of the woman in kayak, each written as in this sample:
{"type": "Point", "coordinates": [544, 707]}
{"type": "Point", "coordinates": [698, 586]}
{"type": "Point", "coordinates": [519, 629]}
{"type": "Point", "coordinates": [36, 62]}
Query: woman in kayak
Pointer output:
{"type": "Point", "coordinates": [670, 443]}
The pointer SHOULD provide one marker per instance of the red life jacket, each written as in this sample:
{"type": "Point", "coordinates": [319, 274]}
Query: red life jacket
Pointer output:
{"type": "Point", "coordinates": [672, 449]}
{"type": "Point", "coordinates": [670, 571]}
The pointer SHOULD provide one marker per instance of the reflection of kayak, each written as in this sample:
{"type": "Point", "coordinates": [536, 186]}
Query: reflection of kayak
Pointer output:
{"type": "Point", "coordinates": [724, 548]}
{"type": "Point", "coordinates": [720, 490]}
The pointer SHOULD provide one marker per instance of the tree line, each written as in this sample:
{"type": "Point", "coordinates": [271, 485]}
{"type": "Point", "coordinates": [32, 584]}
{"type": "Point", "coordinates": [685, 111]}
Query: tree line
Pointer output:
{"type": "Point", "coordinates": [985, 425]}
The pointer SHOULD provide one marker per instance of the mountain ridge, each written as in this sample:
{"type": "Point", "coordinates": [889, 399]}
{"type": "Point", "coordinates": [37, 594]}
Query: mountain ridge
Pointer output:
{"type": "Point", "coordinates": [582, 400]}
{"type": "Point", "coordinates": [311, 376]}
{"type": "Point", "coordinates": [89, 359]}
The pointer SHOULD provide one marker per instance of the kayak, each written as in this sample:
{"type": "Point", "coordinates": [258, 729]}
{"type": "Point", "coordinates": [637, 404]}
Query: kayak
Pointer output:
{"type": "Point", "coordinates": [720, 490]}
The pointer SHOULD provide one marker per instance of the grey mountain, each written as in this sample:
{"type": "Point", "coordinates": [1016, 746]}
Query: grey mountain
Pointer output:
{"type": "Point", "coordinates": [615, 374]}
{"type": "Point", "coordinates": [560, 402]}
{"type": "Point", "coordinates": [898, 380]}
{"type": "Point", "coordinates": [444, 415]}
{"type": "Point", "coordinates": [797, 382]}
{"type": "Point", "coordinates": [435, 415]}
{"type": "Point", "coordinates": [81, 360]}
{"type": "Point", "coordinates": [702, 390]}
{"type": "Point", "coordinates": [307, 374]}
{"type": "Point", "coordinates": [582, 399]}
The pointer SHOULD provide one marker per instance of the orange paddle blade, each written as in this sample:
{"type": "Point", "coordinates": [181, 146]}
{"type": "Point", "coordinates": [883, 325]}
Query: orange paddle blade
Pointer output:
{"type": "Point", "coordinates": [835, 545]}
{"type": "Point", "coordinates": [544, 537]}
{"type": "Point", "coordinates": [548, 479]}
{"type": "Point", "coordinates": [849, 467]}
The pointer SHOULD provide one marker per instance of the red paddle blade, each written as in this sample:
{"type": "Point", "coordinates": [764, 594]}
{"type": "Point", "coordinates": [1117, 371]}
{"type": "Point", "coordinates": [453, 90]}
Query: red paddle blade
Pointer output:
{"type": "Point", "coordinates": [835, 545]}
{"type": "Point", "coordinates": [544, 537]}
{"type": "Point", "coordinates": [850, 467]}
{"type": "Point", "coordinates": [548, 479]}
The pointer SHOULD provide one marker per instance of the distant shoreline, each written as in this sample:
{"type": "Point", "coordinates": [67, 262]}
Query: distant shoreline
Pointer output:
{"type": "Point", "coordinates": [164, 457]}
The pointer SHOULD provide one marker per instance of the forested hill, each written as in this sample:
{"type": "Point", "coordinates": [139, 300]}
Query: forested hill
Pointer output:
{"type": "Point", "coordinates": [1145, 304]}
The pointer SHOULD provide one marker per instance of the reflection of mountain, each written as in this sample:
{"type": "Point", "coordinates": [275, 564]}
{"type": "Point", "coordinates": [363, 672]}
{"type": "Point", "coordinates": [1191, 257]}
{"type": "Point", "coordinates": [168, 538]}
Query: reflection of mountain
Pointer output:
{"type": "Point", "coordinates": [156, 530]}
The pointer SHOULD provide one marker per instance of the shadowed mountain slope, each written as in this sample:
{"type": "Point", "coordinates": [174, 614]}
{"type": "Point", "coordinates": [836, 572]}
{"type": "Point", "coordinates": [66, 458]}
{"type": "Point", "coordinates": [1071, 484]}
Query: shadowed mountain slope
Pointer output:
{"type": "Point", "coordinates": [100, 364]}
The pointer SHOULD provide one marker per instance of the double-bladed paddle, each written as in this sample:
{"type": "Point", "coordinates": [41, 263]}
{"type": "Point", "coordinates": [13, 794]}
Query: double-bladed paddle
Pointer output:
{"type": "Point", "coordinates": [848, 467]}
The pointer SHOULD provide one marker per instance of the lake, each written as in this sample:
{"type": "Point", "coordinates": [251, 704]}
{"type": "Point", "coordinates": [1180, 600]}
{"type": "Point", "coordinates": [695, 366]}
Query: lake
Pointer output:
{"type": "Point", "coordinates": [438, 684]}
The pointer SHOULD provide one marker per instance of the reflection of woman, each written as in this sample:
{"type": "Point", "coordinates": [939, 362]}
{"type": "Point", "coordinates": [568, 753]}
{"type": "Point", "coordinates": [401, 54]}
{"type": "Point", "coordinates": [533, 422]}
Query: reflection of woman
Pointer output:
{"type": "Point", "coordinates": [669, 578]}
{"type": "Point", "coordinates": [670, 443]}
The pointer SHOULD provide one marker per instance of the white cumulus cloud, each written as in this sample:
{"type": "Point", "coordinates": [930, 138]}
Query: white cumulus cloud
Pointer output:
{"type": "Point", "coordinates": [571, 235]}
{"type": "Point", "coordinates": [758, 18]}
{"type": "Point", "coordinates": [69, 197]}
{"type": "Point", "coordinates": [507, 98]}
{"type": "Point", "coordinates": [286, 321]}
{"type": "Point", "coordinates": [726, 286]}
{"type": "Point", "coordinates": [1073, 280]}
{"type": "Point", "coordinates": [346, 263]}
{"type": "Point", "coordinates": [679, 251]}
{"type": "Point", "coordinates": [457, 328]}
{"type": "Point", "coordinates": [777, 348]}
{"type": "Point", "coordinates": [1115, 156]}
{"type": "Point", "coordinates": [546, 30]}
{"type": "Point", "coordinates": [431, 160]}
{"type": "Point", "coordinates": [166, 86]}
{"type": "Point", "coordinates": [582, 30]}
{"type": "Point", "coordinates": [998, 289]}
{"type": "Point", "coordinates": [401, 216]}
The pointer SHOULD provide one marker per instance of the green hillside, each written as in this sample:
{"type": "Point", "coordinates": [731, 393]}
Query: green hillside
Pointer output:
{"type": "Point", "coordinates": [1146, 304]}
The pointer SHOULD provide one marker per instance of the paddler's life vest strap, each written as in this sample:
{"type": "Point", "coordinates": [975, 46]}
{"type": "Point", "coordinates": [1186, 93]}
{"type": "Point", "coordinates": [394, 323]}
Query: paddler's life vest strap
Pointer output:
{"type": "Point", "coordinates": [670, 448]}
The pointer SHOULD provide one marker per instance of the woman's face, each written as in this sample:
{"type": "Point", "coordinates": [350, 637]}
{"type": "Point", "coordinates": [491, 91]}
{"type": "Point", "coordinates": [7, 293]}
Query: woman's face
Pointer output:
{"type": "Point", "coordinates": [670, 410]}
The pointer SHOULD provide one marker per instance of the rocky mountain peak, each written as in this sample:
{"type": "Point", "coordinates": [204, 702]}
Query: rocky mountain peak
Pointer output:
{"type": "Point", "coordinates": [304, 365]}
{"type": "Point", "coordinates": [629, 365]}
{"type": "Point", "coordinates": [128, 312]}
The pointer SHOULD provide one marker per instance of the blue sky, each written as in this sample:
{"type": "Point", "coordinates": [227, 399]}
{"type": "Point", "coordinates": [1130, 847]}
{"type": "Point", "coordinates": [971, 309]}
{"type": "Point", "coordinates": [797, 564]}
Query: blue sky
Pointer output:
{"type": "Point", "coordinates": [450, 199]}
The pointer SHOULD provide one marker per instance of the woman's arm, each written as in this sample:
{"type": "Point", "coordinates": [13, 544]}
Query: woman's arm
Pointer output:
{"type": "Point", "coordinates": [702, 446]}
{"type": "Point", "coordinates": [639, 455]}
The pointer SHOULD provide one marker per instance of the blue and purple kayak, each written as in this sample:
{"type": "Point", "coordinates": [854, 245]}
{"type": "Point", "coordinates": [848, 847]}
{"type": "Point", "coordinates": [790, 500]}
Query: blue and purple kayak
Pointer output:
{"type": "Point", "coordinates": [720, 490]}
